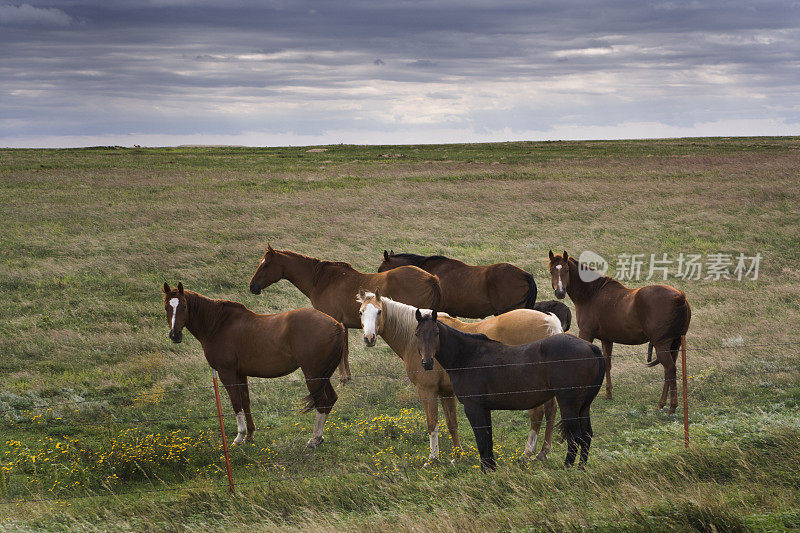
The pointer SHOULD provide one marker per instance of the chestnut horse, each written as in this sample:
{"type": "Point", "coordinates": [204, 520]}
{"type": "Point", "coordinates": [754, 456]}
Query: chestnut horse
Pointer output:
{"type": "Point", "coordinates": [330, 285]}
{"type": "Point", "coordinates": [607, 310]}
{"type": "Point", "coordinates": [471, 291]}
{"type": "Point", "coordinates": [487, 375]}
{"type": "Point", "coordinates": [395, 323]}
{"type": "Point", "coordinates": [238, 343]}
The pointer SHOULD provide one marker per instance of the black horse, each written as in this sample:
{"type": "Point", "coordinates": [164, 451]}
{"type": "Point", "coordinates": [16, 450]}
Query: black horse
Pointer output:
{"type": "Point", "coordinates": [488, 375]}
{"type": "Point", "coordinates": [557, 308]}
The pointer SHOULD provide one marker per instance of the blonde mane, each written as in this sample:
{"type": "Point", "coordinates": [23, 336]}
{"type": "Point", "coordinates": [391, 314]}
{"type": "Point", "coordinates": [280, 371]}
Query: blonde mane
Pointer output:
{"type": "Point", "coordinates": [399, 320]}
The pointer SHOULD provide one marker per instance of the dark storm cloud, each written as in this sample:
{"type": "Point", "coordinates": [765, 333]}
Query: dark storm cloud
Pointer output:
{"type": "Point", "coordinates": [181, 66]}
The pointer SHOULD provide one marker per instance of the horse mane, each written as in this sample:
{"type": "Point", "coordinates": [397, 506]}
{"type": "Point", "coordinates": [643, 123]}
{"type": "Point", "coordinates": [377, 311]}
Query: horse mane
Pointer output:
{"type": "Point", "coordinates": [419, 260]}
{"type": "Point", "coordinates": [588, 287]}
{"type": "Point", "coordinates": [476, 336]}
{"type": "Point", "coordinates": [320, 265]}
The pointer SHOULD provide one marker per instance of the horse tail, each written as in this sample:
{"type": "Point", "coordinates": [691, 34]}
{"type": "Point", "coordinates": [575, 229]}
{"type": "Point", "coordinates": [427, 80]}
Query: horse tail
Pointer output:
{"type": "Point", "coordinates": [323, 396]}
{"type": "Point", "coordinates": [677, 324]}
{"type": "Point", "coordinates": [435, 292]}
{"type": "Point", "coordinates": [530, 296]}
{"type": "Point", "coordinates": [579, 427]}
{"type": "Point", "coordinates": [557, 308]}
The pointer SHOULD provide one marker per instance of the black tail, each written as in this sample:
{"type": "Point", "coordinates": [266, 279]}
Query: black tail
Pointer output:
{"type": "Point", "coordinates": [323, 396]}
{"type": "Point", "coordinates": [530, 296]}
{"type": "Point", "coordinates": [559, 309]}
{"type": "Point", "coordinates": [579, 426]}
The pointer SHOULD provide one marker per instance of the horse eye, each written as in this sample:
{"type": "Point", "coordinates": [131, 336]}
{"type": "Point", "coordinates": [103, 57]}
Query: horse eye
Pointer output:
{"type": "Point", "coordinates": [379, 311]}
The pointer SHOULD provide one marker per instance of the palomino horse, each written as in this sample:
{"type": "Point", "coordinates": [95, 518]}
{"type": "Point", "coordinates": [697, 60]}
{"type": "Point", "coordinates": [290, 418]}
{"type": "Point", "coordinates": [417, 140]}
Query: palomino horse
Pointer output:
{"type": "Point", "coordinates": [611, 312]}
{"type": "Point", "coordinates": [471, 291]}
{"type": "Point", "coordinates": [488, 375]}
{"type": "Point", "coordinates": [395, 323]}
{"type": "Point", "coordinates": [330, 286]}
{"type": "Point", "coordinates": [238, 343]}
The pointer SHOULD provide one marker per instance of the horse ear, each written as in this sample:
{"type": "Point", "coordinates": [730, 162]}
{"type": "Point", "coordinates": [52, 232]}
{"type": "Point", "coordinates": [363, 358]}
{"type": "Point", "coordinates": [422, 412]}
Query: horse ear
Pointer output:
{"type": "Point", "coordinates": [551, 255]}
{"type": "Point", "coordinates": [385, 255]}
{"type": "Point", "coordinates": [166, 288]}
{"type": "Point", "coordinates": [433, 315]}
{"type": "Point", "coordinates": [391, 252]}
{"type": "Point", "coordinates": [361, 296]}
{"type": "Point", "coordinates": [269, 248]}
{"type": "Point", "coordinates": [566, 256]}
{"type": "Point", "coordinates": [378, 294]}
{"type": "Point", "coordinates": [180, 288]}
{"type": "Point", "coordinates": [418, 315]}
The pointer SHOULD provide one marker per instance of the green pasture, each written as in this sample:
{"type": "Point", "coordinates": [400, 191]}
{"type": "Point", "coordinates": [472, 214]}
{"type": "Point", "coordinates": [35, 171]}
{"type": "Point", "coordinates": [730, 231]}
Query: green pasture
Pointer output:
{"type": "Point", "coordinates": [106, 425]}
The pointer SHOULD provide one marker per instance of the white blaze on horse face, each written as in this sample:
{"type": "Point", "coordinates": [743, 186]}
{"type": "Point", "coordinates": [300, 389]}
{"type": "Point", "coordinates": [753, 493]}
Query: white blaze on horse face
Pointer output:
{"type": "Point", "coordinates": [530, 446]}
{"type": "Point", "coordinates": [369, 319]}
{"type": "Point", "coordinates": [174, 303]}
{"type": "Point", "coordinates": [560, 285]}
{"type": "Point", "coordinates": [434, 438]}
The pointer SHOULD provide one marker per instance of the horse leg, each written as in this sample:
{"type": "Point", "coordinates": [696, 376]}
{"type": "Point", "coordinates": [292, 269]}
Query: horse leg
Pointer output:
{"type": "Point", "coordinates": [664, 355]}
{"type": "Point", "coordinates": [344, 365]}
{"type": "Point", "coordinates": [233, 384]}
{"type": "Point", "coordinates": [673, 400]}
{"type": "Point", "coordinates": [451, 418]}
{"type": "Point", "coordinates": [607, 347]}
{"type": "Point", "coordinates": [585, 439]}
{"type": "Point", "coordinates": [428, 397]}
{"type": "Point", "coordinates": [322, 399]}
{"type": "Point", "coordinates": [550, 408]}
{"type": "Point", "coordinates": [480, 419]}
{"type": "Point", "coordinates": [536, 416]}
{"type": "Point", "coordinates": [251, 427]}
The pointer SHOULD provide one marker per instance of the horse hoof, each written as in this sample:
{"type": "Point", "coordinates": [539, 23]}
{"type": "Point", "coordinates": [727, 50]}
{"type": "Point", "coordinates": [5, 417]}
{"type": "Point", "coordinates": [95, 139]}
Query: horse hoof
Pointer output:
{"type": "Point", "coordinates": [671, 411]}
{"type": "Point", "coordinates": [238, 440]}
{"type": "Point", "coordinates": [609, 396]}
{"type": "Point", "coordinates": [344, 380]}
{"type": "Point", "coordinates": [431, 462]}
{"type": "Point", "coordinates": [581, 466]}
{"type": "Point", "coordinates": [541, 456]}
{"type": "Point", "coordinates": [313, 442]}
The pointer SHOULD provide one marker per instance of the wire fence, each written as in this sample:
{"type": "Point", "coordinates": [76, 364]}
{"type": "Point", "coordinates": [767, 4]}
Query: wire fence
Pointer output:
{"type": "Point", "coordinates": [300, 470]}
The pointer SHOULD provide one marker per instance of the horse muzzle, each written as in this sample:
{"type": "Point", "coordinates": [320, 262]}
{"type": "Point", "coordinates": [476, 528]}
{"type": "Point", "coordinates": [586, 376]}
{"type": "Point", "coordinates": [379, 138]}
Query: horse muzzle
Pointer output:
{"type": "Point", "coordinates": [370, 341]}
{"type": "Point", "coordinates": [175, 337]}
{"type": "Point", "coordinates": [560, 293]}
{"type": "Point", "coordinates": [427, 364]}
{"type": "Point", "coordinates": [255, 288]}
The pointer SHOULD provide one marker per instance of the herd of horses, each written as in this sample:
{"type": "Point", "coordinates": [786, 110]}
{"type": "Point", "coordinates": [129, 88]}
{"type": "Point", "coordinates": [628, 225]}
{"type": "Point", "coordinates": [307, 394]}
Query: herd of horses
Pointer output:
{"type": "Point", "coordinates": [519, 358]}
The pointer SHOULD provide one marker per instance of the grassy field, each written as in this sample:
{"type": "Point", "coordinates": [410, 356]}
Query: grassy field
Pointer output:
{"type": "Point", "coordinates": [95, 401]}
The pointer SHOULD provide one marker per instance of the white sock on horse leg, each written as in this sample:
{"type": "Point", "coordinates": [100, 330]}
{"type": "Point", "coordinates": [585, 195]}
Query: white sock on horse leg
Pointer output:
{"type": "Point", "coordinates": [241, 427]}
{"type": "Point", "coordinates": [530, 446]}
{"type": "Point", "coordinates": [434, 438]}
{"type": "Point", "coordinates": [319, 424]}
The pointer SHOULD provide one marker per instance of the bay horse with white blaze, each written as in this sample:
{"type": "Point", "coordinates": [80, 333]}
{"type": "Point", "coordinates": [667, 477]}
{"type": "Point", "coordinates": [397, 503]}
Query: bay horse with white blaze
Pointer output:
{"type": "Point", "coordinates": [238, 343]}
{"type": "Point", "coordinates": [395, 323]}
{"type": "Point", "coordinates": [607, 310]}
{"type": "Point", "coordinates": [489, 375]}
{"type": "Point", "coordinates": [330, 285]}
{"type": "Point", "coordinates": [471, 291]}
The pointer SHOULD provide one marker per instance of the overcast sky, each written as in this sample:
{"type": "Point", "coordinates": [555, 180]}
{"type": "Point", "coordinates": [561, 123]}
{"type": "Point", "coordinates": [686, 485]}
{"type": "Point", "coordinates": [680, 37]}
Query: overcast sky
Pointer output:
{"type": "Point", "coordinates": [294, 72]}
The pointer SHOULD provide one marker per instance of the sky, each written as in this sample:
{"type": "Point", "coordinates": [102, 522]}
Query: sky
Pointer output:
{"type": "Point", "coordinates": [297, 72]}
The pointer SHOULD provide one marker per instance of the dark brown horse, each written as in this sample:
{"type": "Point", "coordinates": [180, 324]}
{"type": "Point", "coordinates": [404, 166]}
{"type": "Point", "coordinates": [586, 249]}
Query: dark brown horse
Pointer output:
{"type": "Point", "coordinates": [330, 285]}
{"type": "Point", "coordinates": [238, 343]}
{"type": "Point", "coordinates": [607, 310]}
{"type": "Point", "coordinates": [472, 291]}
{"type": "Point", "coordinates": [487, 375]}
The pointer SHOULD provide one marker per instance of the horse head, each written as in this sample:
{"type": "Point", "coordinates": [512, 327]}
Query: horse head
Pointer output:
{"type": "Point", "coordinates": [559, 274]}
{"type": "Point", "coordinates": [175, 306]}
{"type": "Point", "coordinates": [390, 261]}
{"type": "Point", "coordinates": [371, 315]}
{"type": "Point", "coordinates": [427, 334]}
{"type": "Point", "coordinates": [268, 271]}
